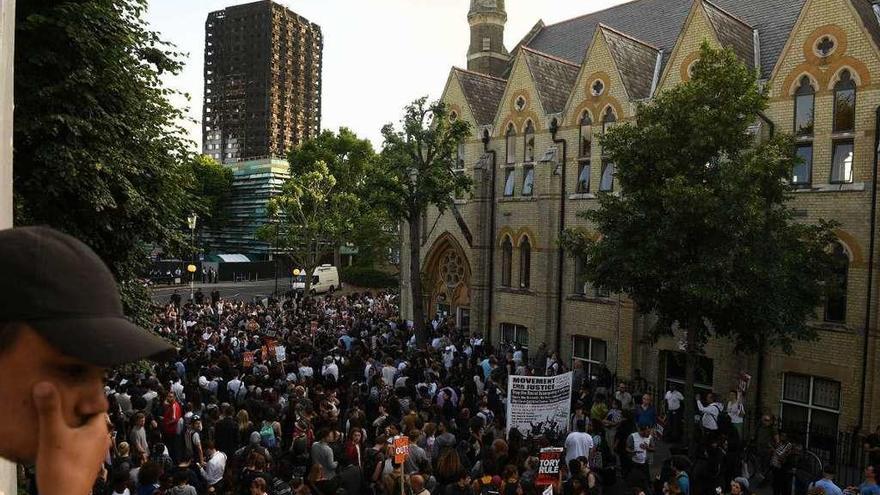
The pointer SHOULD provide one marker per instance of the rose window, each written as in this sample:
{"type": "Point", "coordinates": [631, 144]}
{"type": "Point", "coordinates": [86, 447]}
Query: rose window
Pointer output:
{"type": "Point", "coordinates": [451, 269]}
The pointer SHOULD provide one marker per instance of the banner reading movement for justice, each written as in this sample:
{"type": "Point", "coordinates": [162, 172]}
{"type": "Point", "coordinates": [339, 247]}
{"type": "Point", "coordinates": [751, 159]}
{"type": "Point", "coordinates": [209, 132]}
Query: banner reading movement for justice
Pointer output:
{"type": "Point", "coordinates": [539, 405]}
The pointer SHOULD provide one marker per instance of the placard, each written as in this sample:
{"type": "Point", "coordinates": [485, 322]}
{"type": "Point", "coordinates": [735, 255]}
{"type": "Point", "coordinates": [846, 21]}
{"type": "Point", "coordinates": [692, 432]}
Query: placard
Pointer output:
{"type": "Point", "coordinates": [401, 449]}
{"type": "Point", "coordinates": [539, 405]}
{"type": "Point", "coordinates": [548, 466]}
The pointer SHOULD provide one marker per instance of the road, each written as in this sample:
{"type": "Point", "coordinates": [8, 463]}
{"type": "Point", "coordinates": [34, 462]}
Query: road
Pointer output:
{"type": "Point", "coordinates": [245, 291]}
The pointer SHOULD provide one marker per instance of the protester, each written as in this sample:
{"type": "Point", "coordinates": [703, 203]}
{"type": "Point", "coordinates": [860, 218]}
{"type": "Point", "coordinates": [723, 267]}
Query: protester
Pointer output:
{"type": "Point", "coordinates": [61, 327]}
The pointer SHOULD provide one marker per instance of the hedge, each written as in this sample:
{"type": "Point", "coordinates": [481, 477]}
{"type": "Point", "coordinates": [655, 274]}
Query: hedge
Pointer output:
{"type": "Point", "coordinates": [369, 278]}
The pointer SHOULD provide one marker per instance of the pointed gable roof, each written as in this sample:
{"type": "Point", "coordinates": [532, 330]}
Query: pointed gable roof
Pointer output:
{"type": "Point", "coordinates": [732, 32]}
{"type": "Point", "coordinates": [869, 18]}
{"type": "Point", "coordinates": [636, 61]}
{"type": "Point", "coordinates": [482, 92]}
{"type": "Point", "coordinates": [554, 78]}
{"type": "Point", "coordinates": [659, 23]}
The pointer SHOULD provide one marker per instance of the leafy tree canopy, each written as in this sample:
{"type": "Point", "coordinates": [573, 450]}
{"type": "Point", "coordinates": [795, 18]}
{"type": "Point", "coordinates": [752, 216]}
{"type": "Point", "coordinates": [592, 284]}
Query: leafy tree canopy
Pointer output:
{"type": "Point", "coordinates": [702, 234]}
{"type": "Point", "coordinates": [417, 170]}
{"type": "Point", "coordinates": [212, 187]}
{"type": "Point", "coordinates": [98, 148]}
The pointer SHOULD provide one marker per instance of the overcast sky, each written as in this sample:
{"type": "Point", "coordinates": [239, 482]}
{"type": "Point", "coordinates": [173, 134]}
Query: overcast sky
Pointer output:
{"type": "Point", "coordinates": [378, 54]}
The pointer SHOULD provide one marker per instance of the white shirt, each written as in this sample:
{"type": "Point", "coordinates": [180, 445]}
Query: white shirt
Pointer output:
{"type": "Point", "coordinates": [736, 411]}
{"type": "Point", "coordinates": [673, 400]}
{"type": "Point", "coordinates": [388, 373]}
{"type": "Point", "coordinates": [233, 387]}
{"type": "Point", "coordinates": [577, 444]}
{"type": "Point", "coordinates": [709, 420]}
{"type": "Point", "coordinates": [177, 388]}
{"type": "Point", "coordinates": [331, 369]}
{"type": "Point", "coordinates": [640, 454]}
{"type": "Point", "coordinates": [214, 468]}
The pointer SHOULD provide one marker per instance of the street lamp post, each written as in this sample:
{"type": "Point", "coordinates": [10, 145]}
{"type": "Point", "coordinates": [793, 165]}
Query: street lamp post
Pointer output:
{"type": "Point", "coordinates": [275, 255]}
{"type": "Point", "coordinates": [191, 268]}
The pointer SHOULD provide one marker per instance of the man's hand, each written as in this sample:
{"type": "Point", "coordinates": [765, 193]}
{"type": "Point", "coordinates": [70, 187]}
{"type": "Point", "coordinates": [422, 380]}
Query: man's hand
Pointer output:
{"type": "Point", "coordinates": [68, 459]}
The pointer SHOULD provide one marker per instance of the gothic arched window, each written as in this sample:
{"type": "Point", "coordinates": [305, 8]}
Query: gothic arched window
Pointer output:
{"type": "Point", "coordinates": [845, 103]}
{"type": "Point", "coordinates": [586, 136]}
{"type": "Point", "coordinates": [506, 261]}
{"type": "Point", "coordinates": [529, 141]}
{"type": "Point", "coordinates": [804, 99]}
{"type": "Point", "coordinates": [525, 263]}
{"type": "Point", "coordinates": [835, 287]}
{"type": "Point", "coordinates": [511, 144]}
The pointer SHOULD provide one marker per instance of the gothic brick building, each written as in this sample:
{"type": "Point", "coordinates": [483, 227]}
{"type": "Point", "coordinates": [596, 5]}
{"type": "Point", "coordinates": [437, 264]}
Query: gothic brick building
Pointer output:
{"type": "Point", "coordinates": [493, 263]}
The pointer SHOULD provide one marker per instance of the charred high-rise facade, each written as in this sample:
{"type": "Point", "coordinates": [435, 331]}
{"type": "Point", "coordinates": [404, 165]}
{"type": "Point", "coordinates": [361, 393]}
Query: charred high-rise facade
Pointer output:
{"type": "Point", "coordinates": [262, 81]}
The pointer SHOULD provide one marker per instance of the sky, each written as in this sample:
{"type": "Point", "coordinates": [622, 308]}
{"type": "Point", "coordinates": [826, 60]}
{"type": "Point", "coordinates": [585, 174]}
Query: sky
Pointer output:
{"type": "Point", "coordinates": [378, 55]}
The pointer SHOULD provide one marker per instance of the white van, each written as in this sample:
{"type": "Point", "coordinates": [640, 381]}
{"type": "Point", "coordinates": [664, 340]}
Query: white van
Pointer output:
{"type": "Point", "coordinates": [325, 278]}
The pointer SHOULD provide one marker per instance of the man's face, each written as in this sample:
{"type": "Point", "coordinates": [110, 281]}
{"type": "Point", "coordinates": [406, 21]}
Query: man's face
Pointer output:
{"type": "Point", "coordinates": [32, 360]}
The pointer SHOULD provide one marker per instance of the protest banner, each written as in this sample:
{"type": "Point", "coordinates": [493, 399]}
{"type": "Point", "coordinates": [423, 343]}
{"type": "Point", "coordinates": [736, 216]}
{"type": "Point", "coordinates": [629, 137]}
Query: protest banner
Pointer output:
{"type": "Point", "coordinates": [401, 449]}
{"type": "Point", "coordinates": [548, 490]}
{"type": "Point", "coordinates": [539, 405]}
{"type": "Point", "coordinates": [548, 466]}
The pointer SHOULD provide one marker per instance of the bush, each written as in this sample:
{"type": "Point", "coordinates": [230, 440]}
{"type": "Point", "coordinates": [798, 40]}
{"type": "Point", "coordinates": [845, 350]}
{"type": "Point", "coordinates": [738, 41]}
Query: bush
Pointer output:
{"type": "Point", "coordinates": [369, 278]}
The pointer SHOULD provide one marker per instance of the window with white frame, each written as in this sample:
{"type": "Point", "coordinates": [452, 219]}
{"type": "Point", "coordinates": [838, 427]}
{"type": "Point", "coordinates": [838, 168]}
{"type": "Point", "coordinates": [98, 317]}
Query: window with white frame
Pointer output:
{"type": "Point", "coordinates": [810, 407]}
{"type": "Point", "coordinates": [459, 157]}
{"type": "Point", "coordinates": [528, 186]}
{"type": "Point", "coordinates": [590, 351]}
{"type": "Point", "coordinates": [508, 182]}
{"type": "Point", "coordinates": [513, 333]}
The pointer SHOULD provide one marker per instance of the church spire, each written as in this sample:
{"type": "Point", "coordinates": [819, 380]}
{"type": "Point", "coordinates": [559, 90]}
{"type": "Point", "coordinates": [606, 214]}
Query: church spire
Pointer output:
{"type": "Point", "coordinates": [487, 53]}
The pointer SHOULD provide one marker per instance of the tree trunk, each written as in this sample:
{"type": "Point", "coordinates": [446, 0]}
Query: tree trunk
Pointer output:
{"type": "Point", "coordinates": [337, 256]}
{"type": "Point", "coordinates": [689, 393]}
{"type": "Point", "coordinates": [415, 280]}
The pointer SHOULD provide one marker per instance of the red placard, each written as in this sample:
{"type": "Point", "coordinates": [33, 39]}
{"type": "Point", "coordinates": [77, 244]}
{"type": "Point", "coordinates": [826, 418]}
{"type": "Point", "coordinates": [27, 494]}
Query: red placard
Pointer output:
{"type": "Point", "coordinates": [548, 467]}
{"type": "Point", "coordinates": [401, 449]}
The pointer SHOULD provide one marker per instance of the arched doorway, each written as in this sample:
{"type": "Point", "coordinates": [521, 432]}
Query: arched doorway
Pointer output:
{"type": "Point", "coordinates": [448, 281]}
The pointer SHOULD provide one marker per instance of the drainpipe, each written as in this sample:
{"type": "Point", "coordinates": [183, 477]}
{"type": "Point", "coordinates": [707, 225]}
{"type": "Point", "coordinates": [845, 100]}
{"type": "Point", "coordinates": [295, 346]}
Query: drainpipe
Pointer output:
{"type": "Point", "coordinates": [491, 280]}
{"type": "Point", "coordinates": [869, 297]}
{"type": "Point", "coordinates": [554, 128]}
{"type": "Point", "coordinates": [759, 379]}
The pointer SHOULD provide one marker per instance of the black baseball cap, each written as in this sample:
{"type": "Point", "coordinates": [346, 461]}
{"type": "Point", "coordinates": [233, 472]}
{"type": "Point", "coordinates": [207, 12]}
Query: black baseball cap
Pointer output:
{"type": "Point", "coordinates": [62, 289]}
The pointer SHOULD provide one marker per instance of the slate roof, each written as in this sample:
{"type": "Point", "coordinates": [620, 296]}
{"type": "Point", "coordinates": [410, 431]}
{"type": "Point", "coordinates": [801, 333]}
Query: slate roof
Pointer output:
{"type": "Point", "coordinates": [635, 60]}
{"type": "Point", "coordinates": [869, 19]}
{"type": "Point", "coordinates": [483, 93]}
{"type": "Point", "coordinates": [659, 23]}
{"type": "Point", "coordinates": [554, 79]}
{"type": "Point", "coordinates": [732, 32]}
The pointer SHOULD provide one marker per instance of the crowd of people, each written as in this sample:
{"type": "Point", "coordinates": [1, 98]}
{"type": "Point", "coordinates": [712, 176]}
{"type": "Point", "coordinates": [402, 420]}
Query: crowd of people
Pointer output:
{"type": "Point", "coordinates": [307, 396]}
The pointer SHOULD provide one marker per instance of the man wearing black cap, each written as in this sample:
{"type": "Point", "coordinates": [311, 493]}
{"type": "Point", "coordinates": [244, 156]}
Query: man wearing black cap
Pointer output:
{"type": "Point", "coordinates": [61, 327]}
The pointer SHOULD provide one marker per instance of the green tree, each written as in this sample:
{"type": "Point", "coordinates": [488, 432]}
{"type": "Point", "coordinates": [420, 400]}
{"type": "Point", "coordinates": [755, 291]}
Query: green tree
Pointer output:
{"type": "Point", "coordinates": [701, 236]}
{"type": "Point", "coordinates": [350, 160]}
{"type": "Point", "coordinates": [99, 150]}
{"type": "Point", "coordinates": [212, 185]}
{"type": "Point", "coordinates": [309, 217]}
{"type": "Point", "coordinates": [416, 171]}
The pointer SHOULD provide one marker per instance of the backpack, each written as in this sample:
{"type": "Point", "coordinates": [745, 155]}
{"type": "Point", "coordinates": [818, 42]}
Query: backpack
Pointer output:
{"type": "Point", "coordinates": [723, 421]}
{"type": "Point", "coordinates": [267, 433]}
